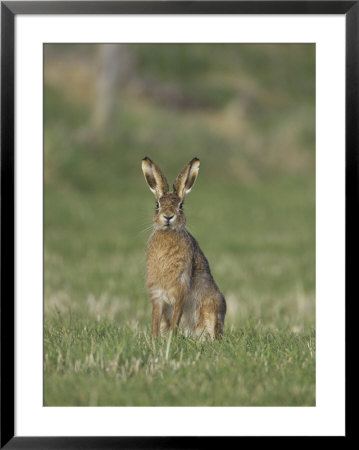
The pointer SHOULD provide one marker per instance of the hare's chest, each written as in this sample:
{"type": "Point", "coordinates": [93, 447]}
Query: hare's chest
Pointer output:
{"type": "Point", "coordinates": [169, 265]}
{"type": "Point", "coordinates": [168, 254]}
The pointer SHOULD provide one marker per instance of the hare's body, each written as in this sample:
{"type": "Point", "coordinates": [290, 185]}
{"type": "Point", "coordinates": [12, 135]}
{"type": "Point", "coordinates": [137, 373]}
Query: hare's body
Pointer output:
{"type": "Point", "coordinates": [178, 277]}
{"type": "Point", "coordinates": [178, 274]}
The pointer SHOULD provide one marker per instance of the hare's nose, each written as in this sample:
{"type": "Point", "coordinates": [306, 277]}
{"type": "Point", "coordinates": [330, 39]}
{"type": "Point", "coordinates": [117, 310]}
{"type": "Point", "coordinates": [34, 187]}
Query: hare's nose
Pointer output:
{"type": "Point", "coordinates": [168, 218]}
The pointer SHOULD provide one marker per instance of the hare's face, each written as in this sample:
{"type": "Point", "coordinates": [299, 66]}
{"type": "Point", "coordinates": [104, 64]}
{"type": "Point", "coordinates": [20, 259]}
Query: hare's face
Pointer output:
{"type": "Point", "coordinates": [169, 214]}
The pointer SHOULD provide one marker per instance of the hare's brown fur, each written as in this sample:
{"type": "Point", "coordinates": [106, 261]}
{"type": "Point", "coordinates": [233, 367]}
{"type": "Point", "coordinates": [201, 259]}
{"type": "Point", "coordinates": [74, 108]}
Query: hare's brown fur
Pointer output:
{"type": "Point", "coordinates": [178, 277]}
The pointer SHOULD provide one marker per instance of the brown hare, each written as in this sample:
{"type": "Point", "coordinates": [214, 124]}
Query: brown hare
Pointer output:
{"type": "Point", "coordinates": [178, 277]}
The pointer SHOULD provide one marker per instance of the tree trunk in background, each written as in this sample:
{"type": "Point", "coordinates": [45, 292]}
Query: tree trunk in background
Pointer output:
{"type": "Point", "coordinates": [115, 66]}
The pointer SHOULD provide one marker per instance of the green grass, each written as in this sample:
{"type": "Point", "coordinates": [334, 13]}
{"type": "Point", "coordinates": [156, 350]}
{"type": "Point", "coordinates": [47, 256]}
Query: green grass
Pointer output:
{"type": "Point", "coordinates": [100, 363]}
{"type": "Point", "coordinates": [252, 211]}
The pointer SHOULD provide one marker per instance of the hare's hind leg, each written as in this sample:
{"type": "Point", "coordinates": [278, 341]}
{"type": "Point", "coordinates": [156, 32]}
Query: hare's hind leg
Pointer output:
{"type": "Point", "coordinates": [206, 324]}
{"type": "Point", "coordinates": [211, 318]}
{"type": "Point", "coordinates": [218, 327]}
{"type": "Point", "coordinates": [221, 309]}
{"type": "Point", "coordinates": [220, 313]}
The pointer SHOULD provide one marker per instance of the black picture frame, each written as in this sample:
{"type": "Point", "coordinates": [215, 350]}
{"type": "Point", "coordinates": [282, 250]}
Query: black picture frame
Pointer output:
{"type": "Point", "coordinates": [9, 10]}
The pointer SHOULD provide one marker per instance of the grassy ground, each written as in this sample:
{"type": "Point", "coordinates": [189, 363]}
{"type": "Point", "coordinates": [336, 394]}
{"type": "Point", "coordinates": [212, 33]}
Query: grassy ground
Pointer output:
{"type": "Point", "coordinates": [252, 211]}
{"type": "Point", "coordinates": [99, 363]}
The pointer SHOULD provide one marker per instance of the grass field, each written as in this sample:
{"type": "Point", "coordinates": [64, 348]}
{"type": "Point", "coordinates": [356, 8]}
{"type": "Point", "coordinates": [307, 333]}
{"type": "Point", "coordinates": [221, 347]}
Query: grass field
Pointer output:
{"type": "Point", "coordinates": [252, 211]}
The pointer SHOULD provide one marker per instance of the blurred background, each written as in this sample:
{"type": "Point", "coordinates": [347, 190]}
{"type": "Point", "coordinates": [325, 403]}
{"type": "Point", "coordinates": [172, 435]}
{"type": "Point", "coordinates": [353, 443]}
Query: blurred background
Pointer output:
{"type": "Point", "coordinates": [247, 111]}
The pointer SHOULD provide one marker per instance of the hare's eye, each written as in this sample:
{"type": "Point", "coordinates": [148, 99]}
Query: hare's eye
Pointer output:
{"type": "Point", "coordinates": [180, 205]}
{"type": "Point", "coordinates": [157, 205]}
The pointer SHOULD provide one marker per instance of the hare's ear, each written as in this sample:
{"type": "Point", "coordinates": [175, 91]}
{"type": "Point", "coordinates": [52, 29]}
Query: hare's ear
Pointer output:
{"type": "Point", "coordinates": [185, 180]}
{"type": "Point", "coordinates": [154, 177]}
